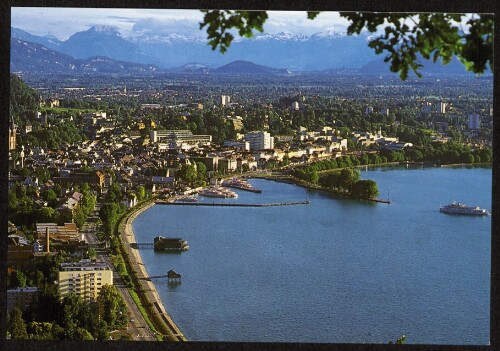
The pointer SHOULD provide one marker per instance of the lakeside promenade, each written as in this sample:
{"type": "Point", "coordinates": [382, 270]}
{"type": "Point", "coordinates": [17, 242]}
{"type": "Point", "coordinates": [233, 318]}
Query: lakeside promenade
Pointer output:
{"type": "Point", "coordinates": [156, 310]}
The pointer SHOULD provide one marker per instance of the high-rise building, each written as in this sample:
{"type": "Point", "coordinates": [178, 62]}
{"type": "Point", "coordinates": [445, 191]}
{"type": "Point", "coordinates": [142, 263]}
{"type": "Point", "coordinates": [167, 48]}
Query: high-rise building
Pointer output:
{"type": "Point", "coordinates": [259, 140]}
{"type": "Point", "coordinates": [225, 100]}
{"type": "Point", "coordinates": [84, 278]}
{"type": "Point", "coordinates": [427, 107]}
{"type": "Point", "coordinates": [474, 121]}
{"type": "Point", "coordinates": [368, 110]}
{"type": "Point", "coordinates": [12, 134]}
{"type": "Point", "coordinates": [384, 111]}
{"type": "Point", "coordinates": [440, 107]}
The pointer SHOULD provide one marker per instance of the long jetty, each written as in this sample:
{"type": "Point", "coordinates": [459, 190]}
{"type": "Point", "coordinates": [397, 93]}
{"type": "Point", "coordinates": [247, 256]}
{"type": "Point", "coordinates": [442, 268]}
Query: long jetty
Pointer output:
{"type": "Point", "coordinates": [221, 204]}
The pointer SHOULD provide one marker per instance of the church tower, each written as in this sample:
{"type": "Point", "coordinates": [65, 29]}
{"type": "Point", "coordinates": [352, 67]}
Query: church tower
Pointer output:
{"type": "Point", "coordinates": [12, 134]}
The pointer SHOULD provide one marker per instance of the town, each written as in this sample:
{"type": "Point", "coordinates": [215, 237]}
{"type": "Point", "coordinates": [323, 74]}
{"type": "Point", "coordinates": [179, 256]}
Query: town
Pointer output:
{"type": "Point", "coordinates": [85, 153]}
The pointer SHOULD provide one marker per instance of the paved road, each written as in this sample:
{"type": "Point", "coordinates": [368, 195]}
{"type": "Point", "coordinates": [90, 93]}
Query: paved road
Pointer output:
{"type": "Point", "coordinates": [137, 328]}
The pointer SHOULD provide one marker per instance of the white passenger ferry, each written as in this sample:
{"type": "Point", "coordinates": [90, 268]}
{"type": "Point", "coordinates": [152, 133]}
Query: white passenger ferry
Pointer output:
{"type": "Point", "coordinates": [458, 208]}
{"type": "Point", "coordinates": [218, 192]}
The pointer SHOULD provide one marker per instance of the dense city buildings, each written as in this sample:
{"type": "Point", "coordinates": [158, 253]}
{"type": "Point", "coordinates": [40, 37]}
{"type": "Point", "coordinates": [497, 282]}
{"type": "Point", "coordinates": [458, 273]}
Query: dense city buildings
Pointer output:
{"type": "Point", "coordinates": [78, 167]}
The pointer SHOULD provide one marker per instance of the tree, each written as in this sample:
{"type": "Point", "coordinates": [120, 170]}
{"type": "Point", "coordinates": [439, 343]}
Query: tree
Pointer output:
{"type": "Point", "coordinates": [17, 279]}
{"type": "Point", "coordinates": [202, 170]}
{"type": "Point", "coordinates": [332, 180]}
{"type": "Point", "coordinates": [141, 192]}
{"type": "Point", "coordinates": [113, 307]}
{"type": "Point", "coordinates": [114, 192]}
{"type": "Point", "coordinates": [188, 173]}
{"type": "Point", "coordinates": [92, 253]}
{"type": "Point", "coordinates": [50, 195]}
{"type": "Point", "coordinates": [43, 330]}
{"type": "Point", "coordinates": [406, 36]}
{"type": "Point", "coordinates": [47, 215]}
{"type": "Point", "coordinates": [348, 177]}
{"type": "Point", "coordinates": [17, 325]}
{"type": "Point", "coordinates": [314, 178]}
{"type": "Point", "coordinates": [365, 189]}
{"type": "Point", "coordinates": [79, 217]}
{"type": "Point", "coordinates": [12, 201]}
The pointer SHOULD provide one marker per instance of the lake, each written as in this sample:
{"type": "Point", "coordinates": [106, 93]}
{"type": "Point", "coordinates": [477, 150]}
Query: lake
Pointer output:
{"type": "Point", "coordinates": [336, 270]}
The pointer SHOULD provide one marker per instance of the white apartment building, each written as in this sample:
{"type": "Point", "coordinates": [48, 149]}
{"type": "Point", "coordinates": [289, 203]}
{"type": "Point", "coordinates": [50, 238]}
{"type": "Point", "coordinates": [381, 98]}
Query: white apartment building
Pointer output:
{"type": "Point", "coordinates": [225, 100]}
{"type": "Point", "coordinates": [84, 278]}
{"type": "Point", "coordinates": [440, 107]}
{"type": "Point", "coordinates": [178, 137]}
{"type": "Point", "coordinates": [259, 140]}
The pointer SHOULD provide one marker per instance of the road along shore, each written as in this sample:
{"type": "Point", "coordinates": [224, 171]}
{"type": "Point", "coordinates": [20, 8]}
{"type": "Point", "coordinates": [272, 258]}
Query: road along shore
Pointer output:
{"type": "Point", "coordinates": [153, 306]}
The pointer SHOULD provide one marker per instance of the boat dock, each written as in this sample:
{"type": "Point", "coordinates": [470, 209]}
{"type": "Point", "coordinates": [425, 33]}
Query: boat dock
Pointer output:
{"type": "Point", "coordinates": [252, 190]}
{"type": "Point", "coordinates": [221, 204]}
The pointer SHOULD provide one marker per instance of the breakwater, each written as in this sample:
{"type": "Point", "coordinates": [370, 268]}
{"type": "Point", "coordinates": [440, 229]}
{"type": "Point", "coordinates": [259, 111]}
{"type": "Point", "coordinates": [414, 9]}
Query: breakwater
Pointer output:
{"type": "Point", "coordinates": [218, 204]}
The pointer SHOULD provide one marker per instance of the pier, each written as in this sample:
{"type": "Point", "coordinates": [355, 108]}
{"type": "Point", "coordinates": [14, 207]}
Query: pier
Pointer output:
{"type": "Point", "coordinates": [220, 204]}
{"type": "Point", "coordinates": [142, 245]}
{"type": "Point", "coordinates": [171, 276]}
{"type": "Point", "coordinates": [244, 188]}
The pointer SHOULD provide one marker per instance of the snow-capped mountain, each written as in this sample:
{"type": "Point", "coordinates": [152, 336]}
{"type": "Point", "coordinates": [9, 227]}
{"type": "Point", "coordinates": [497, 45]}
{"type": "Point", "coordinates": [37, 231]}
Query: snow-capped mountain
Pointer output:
{"type": "Point", "coordinates": [330, 34]}
{"type": "Point", "coordinates": [285, 49]}
{"type": "Point", "coordinates": [282, 36]}
{"type": "Point", "coordinates": [144, 38]}
{"type": "Point", "coordinates": [330, 50]}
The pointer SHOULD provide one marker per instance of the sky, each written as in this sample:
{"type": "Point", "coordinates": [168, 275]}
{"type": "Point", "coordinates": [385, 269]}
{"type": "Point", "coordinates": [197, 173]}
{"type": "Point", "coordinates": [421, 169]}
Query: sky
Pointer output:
{"type": "Point", "coordinates": [63, 22]}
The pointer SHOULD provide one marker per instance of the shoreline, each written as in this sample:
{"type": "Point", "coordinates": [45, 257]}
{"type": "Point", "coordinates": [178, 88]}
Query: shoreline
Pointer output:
{"type": "Point", "coordinates": [157, 312]}
{"type": "Point", "coordinates": [304, 184]}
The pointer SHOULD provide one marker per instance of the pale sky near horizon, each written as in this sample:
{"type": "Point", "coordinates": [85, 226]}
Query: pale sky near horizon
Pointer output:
{"type": "Point", "coordinates": [63, 22]}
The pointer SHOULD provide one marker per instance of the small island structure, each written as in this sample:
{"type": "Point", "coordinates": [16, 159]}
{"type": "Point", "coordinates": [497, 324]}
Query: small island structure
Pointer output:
{"type": "Point", "coordinates": [173, 275]}
{"type": "Point", "coordinates": [170, 244]}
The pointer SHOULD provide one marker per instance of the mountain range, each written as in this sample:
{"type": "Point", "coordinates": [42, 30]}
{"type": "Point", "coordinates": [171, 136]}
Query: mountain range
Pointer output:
{"type": "Point", "coordinates": [103, 49]}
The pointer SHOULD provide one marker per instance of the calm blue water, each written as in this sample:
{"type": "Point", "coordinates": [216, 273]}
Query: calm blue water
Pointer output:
{"type": "Point", "coordinates": [335, 270]}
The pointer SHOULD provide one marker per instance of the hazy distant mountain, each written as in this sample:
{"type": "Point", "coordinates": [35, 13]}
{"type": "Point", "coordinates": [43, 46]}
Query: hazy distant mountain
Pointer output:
{"type": "Point", "coordinates": [36, 58]}
{"type": "Point", "coordinates": [454, 67]}
{"type": "Point", "coordinates": [295, 51]}
{"type": "Point", "coordinates": [191, 67]}
{"type": "Point", "coordinates": [49, 42]}
{"type": "Point", "coordinates": [103, 41]}
{"type": "Point", "coordinates": [332, 51]}
{"type": "Point", "coordinates": [245, 67]}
